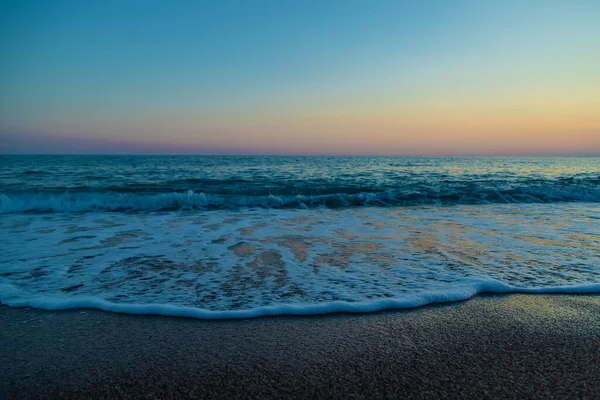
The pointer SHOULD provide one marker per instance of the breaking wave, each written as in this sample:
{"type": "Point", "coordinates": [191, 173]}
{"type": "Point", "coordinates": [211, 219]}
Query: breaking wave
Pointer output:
{"type": "Point", "coordinates": [148, 202]}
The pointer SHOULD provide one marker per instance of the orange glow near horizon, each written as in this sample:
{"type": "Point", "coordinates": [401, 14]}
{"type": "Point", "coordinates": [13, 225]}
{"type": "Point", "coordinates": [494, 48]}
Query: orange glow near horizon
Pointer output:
{"type": "Point", "coordinates": [461, 79]}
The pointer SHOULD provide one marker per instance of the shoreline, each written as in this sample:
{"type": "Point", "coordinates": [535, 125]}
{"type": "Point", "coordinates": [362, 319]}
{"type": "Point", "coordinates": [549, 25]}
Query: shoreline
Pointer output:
{"type": "Point", "coordinates": [512, 345]}
{"type": "Point", "coordinates": [290, 310]}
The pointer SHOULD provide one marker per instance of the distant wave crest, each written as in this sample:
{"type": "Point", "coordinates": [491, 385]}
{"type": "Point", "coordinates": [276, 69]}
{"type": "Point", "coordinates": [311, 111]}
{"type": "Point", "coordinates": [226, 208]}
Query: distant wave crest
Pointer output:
{"type": "Point", "coordinates": [148, 202]}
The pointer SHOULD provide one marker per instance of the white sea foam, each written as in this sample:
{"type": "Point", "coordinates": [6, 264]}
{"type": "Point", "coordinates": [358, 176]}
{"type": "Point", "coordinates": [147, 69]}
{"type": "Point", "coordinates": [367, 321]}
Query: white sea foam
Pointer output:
{"type": "Point", "coordinates": [228, 264]}
{"type": "Point", "coordinates": [54, 303]}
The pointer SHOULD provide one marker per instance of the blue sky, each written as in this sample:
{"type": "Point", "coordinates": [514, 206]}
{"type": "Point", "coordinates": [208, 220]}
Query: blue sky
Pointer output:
{"type": "Point", "coordinates": [300, 76]}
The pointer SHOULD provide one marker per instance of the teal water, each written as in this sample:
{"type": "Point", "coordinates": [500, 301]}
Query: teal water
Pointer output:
{"type": "Point", "coordinates": [239, 237]}
{"type": "Point", "coordinates": [121, 183]}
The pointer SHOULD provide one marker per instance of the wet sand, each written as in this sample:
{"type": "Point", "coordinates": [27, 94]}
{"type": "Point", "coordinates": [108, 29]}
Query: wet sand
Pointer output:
{"type": "Point", "coordinates": [517, 346]}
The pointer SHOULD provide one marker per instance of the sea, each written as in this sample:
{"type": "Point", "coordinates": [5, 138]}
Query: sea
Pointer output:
{"type": "Point", "coordinates": [217, 237]}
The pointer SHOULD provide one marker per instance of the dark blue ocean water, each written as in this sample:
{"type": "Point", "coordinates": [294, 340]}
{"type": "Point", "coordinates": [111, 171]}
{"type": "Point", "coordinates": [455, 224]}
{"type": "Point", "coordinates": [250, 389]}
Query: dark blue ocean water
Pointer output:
{"type": "Point", "coordinates": [240, 237]}
{"type": "Point", "coordinates": [153, 183]}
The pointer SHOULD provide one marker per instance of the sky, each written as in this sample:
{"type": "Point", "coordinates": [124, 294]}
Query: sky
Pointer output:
{"type": "Point", "coordinates": [347, 77]}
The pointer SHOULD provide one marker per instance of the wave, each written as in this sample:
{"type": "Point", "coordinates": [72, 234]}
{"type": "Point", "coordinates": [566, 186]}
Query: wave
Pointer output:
{"type": "Point", "coordinates": [10, 297]}
{"type": "Point", "coordinates": [149, 202]}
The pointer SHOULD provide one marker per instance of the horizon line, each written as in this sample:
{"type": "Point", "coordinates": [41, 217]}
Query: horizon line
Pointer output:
{"type": "Point", "coordinates": [298, 155]}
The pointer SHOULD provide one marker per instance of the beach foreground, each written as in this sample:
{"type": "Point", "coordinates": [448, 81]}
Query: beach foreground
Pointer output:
{"type": "Point", "coordinates": [510, 346]}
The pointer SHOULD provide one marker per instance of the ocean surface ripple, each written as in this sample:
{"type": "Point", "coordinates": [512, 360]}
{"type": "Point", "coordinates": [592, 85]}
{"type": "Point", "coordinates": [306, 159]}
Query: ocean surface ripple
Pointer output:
{"type": "Point", "coordinates": [147, 184]}
{"type": "Point", "coordinates": [241, 237]}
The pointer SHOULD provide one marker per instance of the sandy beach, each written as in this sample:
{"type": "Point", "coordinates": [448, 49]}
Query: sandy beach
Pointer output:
{"type": "Point", "coordinates": [517, 346]}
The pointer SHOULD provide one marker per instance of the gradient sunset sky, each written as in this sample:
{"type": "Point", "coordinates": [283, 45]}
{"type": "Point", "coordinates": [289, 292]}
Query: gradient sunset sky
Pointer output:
{"type": "Point", "coordinates": [300, 77]}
